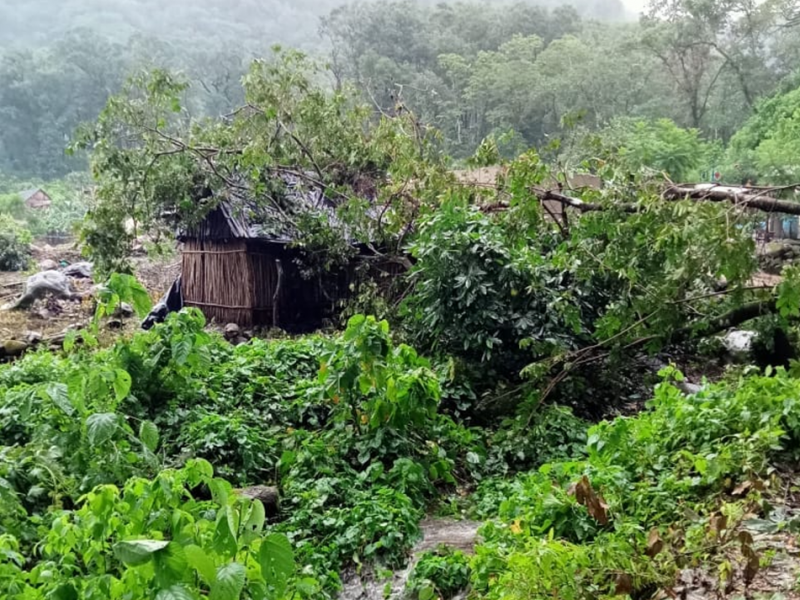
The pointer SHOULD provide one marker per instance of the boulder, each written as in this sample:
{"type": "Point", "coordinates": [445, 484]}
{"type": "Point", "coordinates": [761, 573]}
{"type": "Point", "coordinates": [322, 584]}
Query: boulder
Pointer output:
{"type": "Point", "coordinates": [42, 284]}
{"type": "Point", "coordinates": [48, 265]}
{"type": "Point", "coordinates": [79, 270]}
{"type": "Point", "coordinates": [268, 495]}
{"type": "Point", "coordinates": [124, 310]}
{"type": "Point", "coordinates": [739, 343]}
{"type": "Point", "coordinates": [14, 347]}
{"type": "Point", "coordinates": [33, 337]}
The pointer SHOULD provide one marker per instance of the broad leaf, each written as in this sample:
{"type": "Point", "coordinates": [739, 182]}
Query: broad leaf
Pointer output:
{"type": "Point", "coordinates": [277, 560]}
{"type": "Point", "coordinates": [202, 563]}
{"type": "Point", "coordinates": [170, 565]}
{"type": "Point", "coordinates": [122, 384]}
{"type": "Point", "coordinates": [148, 434]}
{"type": "Point", "coordinates": [138, 552]}
{"type": "Point", "coordinates": [229, 583]}
{"type": "Point", "coordinates": [176, 592]}
{"type": "Point", "coordinates": [57, 392]}
{"type": "Point", "coordinates": [100, 427]}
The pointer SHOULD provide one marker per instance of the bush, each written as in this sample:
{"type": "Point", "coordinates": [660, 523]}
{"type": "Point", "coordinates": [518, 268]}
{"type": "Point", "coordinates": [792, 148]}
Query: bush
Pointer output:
{"type": "Point", "coordinates": [15, 240]}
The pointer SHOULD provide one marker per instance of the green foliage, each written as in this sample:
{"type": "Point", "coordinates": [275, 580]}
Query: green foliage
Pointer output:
{"type": "Point", "coordinates": [121, 288]}
{"type": "Point", "coordinates": [586, 528]}
{"type": "Point", "coordinates": [347, 426]}
{"type": "Point", "coordinates": [15, 240]}
{"type": "Point", "coordinates": [659, 145]}
{"type": "Point", "coordinates": [441, 573]}
{"type": "Point", "coordinates": [765, 149]}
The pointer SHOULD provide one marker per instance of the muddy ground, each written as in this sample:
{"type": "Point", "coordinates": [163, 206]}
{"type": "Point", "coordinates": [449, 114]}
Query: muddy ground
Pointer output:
{"type": "Point", "coordinates": [49, 317]}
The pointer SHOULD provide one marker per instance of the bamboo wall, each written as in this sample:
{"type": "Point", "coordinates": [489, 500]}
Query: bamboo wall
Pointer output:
{"type": "Point", "coordinates": [218, 279]}
{"type": "Point", "coordinates": [254, 283]}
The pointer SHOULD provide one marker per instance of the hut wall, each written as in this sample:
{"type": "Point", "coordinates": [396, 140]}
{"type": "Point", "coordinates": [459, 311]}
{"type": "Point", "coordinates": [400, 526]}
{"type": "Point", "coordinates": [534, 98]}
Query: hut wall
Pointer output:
{"type": "Point", "coordinates": [218, 279]}
{"type": "Point", "coordinates": [269, 277]}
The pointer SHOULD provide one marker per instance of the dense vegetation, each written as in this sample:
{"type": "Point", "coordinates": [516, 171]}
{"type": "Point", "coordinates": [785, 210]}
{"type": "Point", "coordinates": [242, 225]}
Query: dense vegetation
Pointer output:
{"type": "Point", "coordinates": [520, 318]}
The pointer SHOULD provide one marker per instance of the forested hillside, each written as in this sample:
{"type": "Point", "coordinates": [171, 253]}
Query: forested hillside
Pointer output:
{"type": "Point", "coordinates": [447, 307]}
{"type": "Point", "coordinates": [527, 73]}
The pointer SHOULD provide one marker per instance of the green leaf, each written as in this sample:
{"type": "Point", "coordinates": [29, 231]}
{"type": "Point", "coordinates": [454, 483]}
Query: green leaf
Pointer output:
{"type": "Point", "coordinates": [255, 520]}
{"type": "Point", "coordinates": [202, 563]}
{"type": "Point", "coordinates": [140, 299]}
{"type": "Point", "coordinates": [65, 591]}
{"type": "Point", "coordinates": [138, 552]}
{"type": "Point", "coordinates": [277, 560]}
{"type": "Point", "coordinates": [69, 340]}
{"type": "Point", "coordinates": [426, 593]}
{"type": "Point", "coordinates": [170, 565]}
{"type": "Point", "coordinates": [148, 434]}
{"type": "Point", "coordinates": [224, 541]}
{"type": "Point", "coordinates": [100, 427]}
{"type": "Point", "coordinates": [229, 583]}
{"type": "Point", "coordinates": [176, 592]}
{"type": "Point", "coordinates": [122, 384]}
{"type": "Point", "coordinates": [57, 393]}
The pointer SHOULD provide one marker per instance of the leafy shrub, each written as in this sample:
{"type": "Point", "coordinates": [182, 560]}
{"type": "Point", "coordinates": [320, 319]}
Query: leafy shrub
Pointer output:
{"type": "Point", "coordinates": [441, 573]}
{"type": "Point", "coordinates": [347, 426]}
{"type": "Point", "coordinates": [580, 527]}
{"type": "Point", "coordinates": [15, 240]}
{"type": "Point", "coordinates": [153, 539]}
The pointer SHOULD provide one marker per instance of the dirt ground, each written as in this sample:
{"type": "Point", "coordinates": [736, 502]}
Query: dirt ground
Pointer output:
{"type": "Point", "coordinates": [50, 316]}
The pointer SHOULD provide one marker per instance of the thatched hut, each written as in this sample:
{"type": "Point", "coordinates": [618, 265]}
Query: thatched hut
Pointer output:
{"type": "Point", "coordinates": [239, 265]}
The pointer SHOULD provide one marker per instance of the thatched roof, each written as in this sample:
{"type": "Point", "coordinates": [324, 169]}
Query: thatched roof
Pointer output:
{"type": "Point", "coordinates": [272, 218]}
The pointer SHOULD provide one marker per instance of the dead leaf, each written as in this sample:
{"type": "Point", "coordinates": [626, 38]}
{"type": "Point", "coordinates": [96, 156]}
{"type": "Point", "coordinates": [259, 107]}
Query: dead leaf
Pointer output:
{"type": "Point", "coordinates": [594, 503]}
{"type": "Point", "coordinates": [717, 524]}
{"type": "Point", "coordinates": [624, 584]}
{"type": "Point", "coordinates": [654, 543]}
{"type": "Point", "coordinates": [746, 538]}
{"type": "Point", "coordinates": [742, 488]}
{"type": "Point", "coordinates": [752, 566]}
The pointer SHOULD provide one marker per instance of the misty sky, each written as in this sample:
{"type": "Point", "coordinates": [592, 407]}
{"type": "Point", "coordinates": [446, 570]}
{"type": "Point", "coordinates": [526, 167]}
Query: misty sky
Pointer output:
{"type": "Point", "coordinates": [635, 6]}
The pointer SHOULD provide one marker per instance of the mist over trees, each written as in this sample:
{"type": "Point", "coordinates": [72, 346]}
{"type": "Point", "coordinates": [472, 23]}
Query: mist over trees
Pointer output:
{"type": "Point", "coordinates": [527, 73]}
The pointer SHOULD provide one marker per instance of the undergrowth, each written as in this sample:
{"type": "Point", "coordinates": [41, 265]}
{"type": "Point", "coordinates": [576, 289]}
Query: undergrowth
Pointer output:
{"type": "Point", "coordinates": [117, 469]}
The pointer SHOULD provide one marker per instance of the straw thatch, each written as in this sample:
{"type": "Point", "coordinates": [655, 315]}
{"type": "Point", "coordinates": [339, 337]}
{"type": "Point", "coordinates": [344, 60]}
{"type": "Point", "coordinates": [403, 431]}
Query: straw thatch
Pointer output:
{"type": "Point", "coordinates": [239, 266]}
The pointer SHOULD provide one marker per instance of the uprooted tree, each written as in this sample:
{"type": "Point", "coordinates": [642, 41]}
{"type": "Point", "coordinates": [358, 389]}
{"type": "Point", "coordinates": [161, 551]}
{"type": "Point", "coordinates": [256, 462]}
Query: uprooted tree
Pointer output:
{"type": "Point", "coordinates": [522, 275]}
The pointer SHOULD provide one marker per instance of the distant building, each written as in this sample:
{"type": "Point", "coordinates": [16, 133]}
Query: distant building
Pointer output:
{"type": "Point", "coordinates": [36, 198]}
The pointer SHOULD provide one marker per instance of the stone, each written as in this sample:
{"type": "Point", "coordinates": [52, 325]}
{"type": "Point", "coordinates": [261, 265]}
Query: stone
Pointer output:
{"type": "Point", "coordinates": [42, 284]}
{"type": "Point", "coordinates": [14, 347]}
{"type": "Point", "coordinates": [48, 265]}
{"type": "Point", "coordinates": [33, 337]}
{"type": "Point", "coordinates": [739, 343]}
{"type": "Point", "coordinates": [268, 495]}
{"type": "Point", "coordinates": [79, 270]}
{"type": "Point", "coordinates": [124, 310]}
{"type": "Point", "coordinates": [232, 331]}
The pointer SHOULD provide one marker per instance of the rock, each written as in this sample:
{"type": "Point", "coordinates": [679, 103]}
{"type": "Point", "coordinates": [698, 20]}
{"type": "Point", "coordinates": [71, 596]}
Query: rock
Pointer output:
{"type": "Point", "coordinates": [687, 387]}
{"type": "Point", "coordinates": [80, 270]}
{"type": "Point", "coordinates": [14, 347]}
{"type": "Point", "coordinates": [739, 343]}
{"type": "Point", "coordinates": [33, 337]}
{"type": "Point", "coordinates": [124, 310]}
{"type": "Point", "coordinates": [48, 265]}
{"type": "Point", "coordinates": [42, 284]}
{"type": "Point", "coordinates": [232, 331]}
{"type": "Point", "coordinates": [268, 496]}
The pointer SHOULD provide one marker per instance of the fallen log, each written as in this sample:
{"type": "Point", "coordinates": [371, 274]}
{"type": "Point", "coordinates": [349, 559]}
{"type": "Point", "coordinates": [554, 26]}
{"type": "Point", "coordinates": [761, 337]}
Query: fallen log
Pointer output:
{"type": "Point", "coordinates": [739, 196]}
